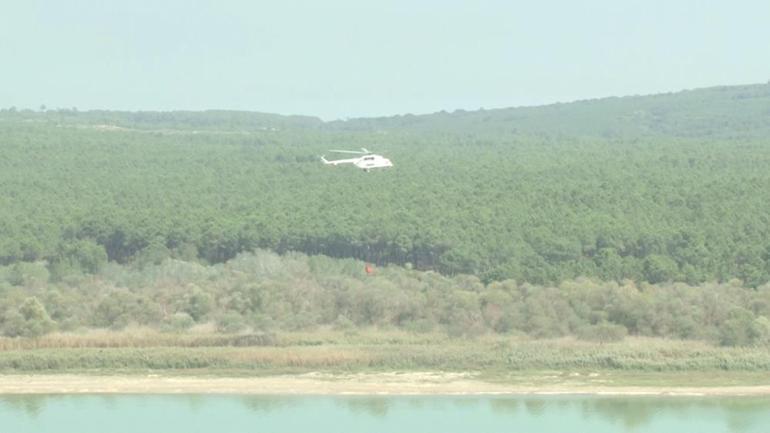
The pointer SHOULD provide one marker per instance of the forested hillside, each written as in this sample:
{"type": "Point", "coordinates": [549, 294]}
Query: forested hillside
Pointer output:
{"type": "Point", "coordinates": [724, 112]}
{"type": "Point", "coordinates": [653, 189]}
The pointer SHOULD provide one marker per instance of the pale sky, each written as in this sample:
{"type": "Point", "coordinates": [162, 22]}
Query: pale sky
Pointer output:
{"type": "Point", "coordinates": [354, 58]}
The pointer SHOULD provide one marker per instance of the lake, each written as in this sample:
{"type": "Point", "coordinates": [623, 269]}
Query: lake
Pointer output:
{"type": "Point", "coordinates": [319, 414]}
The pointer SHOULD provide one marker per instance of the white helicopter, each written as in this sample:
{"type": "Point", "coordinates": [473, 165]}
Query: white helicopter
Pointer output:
{"type": "Point", "coordinates": [366, 161]}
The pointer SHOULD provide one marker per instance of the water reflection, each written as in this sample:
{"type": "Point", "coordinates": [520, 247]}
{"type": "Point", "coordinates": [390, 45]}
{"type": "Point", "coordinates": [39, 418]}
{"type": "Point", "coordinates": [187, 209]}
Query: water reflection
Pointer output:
{"type": "Point", "coordinates": [535, 406]}
{"type": "Point", "coordinates": [30, 405]}
{"type": "Point", "coordinates": [373, 406]}
{"type": "Point", "coordinates": [506, 406]}
{"type": "Point", "coordinates": [265, 404]}
{"type": "Point", "coordinates": [633, 414]}
{"type": "Point", "coordinates": [467, 403]}
{"type": "Point", "coordinates": [740, 414]}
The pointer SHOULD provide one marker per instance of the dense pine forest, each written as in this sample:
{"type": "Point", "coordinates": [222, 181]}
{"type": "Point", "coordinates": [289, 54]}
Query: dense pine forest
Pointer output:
{"type": "Point", "coordinates": [659, 188]}
{"type": "Point", "coordinates": [646, 189]}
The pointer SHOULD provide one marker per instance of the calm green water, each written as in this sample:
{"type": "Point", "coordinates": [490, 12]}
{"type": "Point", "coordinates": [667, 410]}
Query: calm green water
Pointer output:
{"type": "Point", "coordinates": [224, 414]}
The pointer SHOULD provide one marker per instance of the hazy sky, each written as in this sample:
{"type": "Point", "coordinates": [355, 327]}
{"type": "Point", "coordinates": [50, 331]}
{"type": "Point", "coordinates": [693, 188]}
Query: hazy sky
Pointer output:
{"type": "Point", "coordinates": [352, 58]}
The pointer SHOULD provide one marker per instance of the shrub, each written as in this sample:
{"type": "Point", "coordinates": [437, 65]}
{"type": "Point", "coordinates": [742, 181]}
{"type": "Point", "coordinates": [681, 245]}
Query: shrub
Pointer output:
{"type": "Point", "coordinates": [420, 326]}
{"type": "Point", "coordinates": [658, 269]}
{"type": "Point", "coordinates": [78, 255]}
{"type": "Point", "coordinates": [30, 320]}
{"type": "Point", "coordinates": [179, 322]}
{"type": "Point", "coordinates": [231, 322]}
{"type": "Point", "coordinates": [604, 332]}
{"type": "Point", "coordinates": [740, 329]}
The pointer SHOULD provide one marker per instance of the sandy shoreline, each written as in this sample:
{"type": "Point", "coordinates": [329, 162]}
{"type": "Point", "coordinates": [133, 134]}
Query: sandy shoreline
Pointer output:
{"type": "Point", "coordinates": [327, 384]}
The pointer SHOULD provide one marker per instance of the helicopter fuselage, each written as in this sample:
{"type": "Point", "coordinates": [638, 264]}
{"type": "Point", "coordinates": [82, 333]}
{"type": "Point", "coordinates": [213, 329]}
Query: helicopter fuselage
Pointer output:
{"type": "Point", "coordinates": [365, 162]}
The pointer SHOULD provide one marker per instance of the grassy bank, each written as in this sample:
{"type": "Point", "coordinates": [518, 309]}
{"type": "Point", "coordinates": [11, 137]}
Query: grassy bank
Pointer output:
{"type": "Point", "coordinates": [498, 359]}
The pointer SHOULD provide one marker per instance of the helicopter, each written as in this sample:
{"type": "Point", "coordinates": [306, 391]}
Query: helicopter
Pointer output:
{"type": "Point", "coordinates": [366, 161]}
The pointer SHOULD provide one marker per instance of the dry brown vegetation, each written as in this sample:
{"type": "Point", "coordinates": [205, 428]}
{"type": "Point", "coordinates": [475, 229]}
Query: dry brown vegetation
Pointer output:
{"type": "Point", "coordinates": [264, 293]}
{"type": "Point", "coordinates": [140, 350]}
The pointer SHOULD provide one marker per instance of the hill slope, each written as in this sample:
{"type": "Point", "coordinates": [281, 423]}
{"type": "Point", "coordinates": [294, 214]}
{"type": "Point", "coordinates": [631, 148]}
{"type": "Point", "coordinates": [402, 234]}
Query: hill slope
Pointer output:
{"type": "Point", "coordinates": [724, 112]}
{"type": "Point", "coordinates": [536, 194]}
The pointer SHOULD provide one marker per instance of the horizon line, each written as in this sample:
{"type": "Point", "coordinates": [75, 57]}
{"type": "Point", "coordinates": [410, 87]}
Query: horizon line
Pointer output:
{"type": "Point", "coordinates": [371, 117]}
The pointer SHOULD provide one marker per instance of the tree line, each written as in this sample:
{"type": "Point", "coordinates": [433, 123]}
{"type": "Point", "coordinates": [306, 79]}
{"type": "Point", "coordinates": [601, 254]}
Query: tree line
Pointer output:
{"type": "Point", "coordinates": [265, 292]}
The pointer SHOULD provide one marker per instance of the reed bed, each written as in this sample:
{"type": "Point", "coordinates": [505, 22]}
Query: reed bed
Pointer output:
{"type": "Point", "coordinates": [144, 350]}
{"type": "Point", "coordinates": [138, 338]}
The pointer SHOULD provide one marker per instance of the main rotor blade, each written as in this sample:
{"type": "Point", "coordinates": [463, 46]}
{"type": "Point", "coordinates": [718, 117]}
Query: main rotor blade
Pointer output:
{"type": "Point", "coordinates": [357, 152]}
